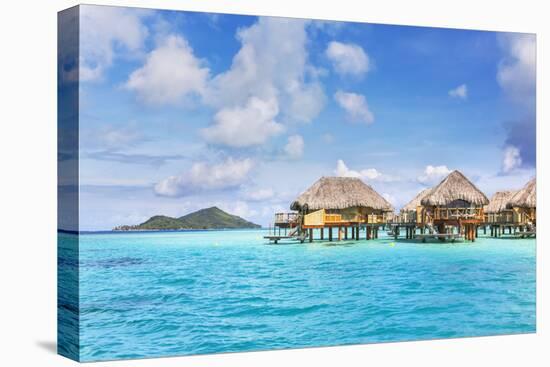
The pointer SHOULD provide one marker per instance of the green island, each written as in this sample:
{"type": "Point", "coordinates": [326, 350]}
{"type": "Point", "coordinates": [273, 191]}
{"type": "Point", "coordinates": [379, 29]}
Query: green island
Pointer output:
{"type": "Point", "coordinates": [209, 218]}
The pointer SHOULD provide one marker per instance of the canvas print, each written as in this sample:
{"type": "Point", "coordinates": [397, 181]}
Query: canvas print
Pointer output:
{"type": "Point", "coordinates": [233, 183]}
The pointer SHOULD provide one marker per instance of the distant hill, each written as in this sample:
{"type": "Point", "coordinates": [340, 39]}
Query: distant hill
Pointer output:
{"type": "Point", "coordinates": [209, 218]}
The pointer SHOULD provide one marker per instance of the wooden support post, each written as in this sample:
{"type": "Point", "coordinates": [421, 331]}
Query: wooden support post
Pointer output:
{"type": "Point", "coordinates": [345, 233]}
{"type": "Point", "coordinates": [330, 233]}
{"type": "Point", "coordinates": [484, 229]}
{"type": "Point", "coordinates": [357, 233]}
{"type": "Point", "coordinates": [311, 235]}
{"type": "Point", "coordinates": [322, 233]}
{"type": "Point", "coordinates": [339, 234]}
{"type": "Point", "coordinates": [396, 232]}
{"type": "Point", "coordinates": [368, 235]}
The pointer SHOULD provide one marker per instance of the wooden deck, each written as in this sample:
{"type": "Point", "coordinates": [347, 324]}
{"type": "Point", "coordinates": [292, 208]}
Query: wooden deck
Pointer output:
{"type": "Point", "coordinates": [440, 236]}
{"type": "Point", "coordinates": [275, 239]}
{"type": "Point", "coordinates": [525, 234]}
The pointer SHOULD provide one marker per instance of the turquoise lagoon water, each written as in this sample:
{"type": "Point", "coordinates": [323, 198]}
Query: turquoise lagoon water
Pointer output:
{"type": "Point", "coordinates": [180, 293]}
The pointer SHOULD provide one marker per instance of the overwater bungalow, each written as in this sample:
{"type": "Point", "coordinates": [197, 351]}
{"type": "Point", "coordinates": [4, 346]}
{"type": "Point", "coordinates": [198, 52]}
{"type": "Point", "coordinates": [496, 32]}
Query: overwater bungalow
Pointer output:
{"type": "Point", "coordinates": [497, 214]}
{"type": "Point", "coordinates": [343, 204]}
{"type": "Point", "coordinates": [524, 205]}
{"type": "Point", "coordinates": [456, 203]}
{"type": "Point", "coordinates": [409, 217]}
{"type": "Point", "coordinates": [497, 211]}
{"type": "Point", "coordinates": [413, 209]}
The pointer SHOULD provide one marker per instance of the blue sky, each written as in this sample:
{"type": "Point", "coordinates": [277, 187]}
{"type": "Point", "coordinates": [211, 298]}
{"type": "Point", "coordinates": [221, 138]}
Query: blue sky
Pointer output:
{"type": "Point", "coordinates": [181, 110]}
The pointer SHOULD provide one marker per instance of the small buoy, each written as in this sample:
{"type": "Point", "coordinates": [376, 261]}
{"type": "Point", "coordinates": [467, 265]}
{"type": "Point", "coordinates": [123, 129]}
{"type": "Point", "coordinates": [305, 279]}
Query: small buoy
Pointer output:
{"type": "Point", "coordinates": [392, 244]}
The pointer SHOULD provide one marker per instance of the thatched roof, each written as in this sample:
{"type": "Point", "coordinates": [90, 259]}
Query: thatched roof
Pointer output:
{"type": "Point", "coordinates": [526, 197]}
{"type": "Point", "coordinates": [411, 206]}
{"type": "Point", "coordinates": [499, 201]}
{"type": "Point", "coordinates": [340, 193]}
{"type": "Point", "coordinates": [455, 187]}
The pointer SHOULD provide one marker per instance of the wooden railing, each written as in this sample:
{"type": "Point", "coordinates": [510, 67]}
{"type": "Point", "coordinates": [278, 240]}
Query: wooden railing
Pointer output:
{"type": "Point", "coordinates": [502, 218]}
{"type": "Point", "coordinates": [458, 213]}
{"type": "Point", "coordinates": [286, 217]}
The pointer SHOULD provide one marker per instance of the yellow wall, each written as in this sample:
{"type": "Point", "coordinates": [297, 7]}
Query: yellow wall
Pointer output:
{"type": "Point", "coordinates": [316, 218]}
{"type": "Point", "coordinates": [354, 214]}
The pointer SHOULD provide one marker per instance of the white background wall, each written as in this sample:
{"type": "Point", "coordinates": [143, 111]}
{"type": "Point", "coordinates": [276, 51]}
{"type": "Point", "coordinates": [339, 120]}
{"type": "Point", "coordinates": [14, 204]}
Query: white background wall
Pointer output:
{"type": "Point", "coordinates": [28, 183]}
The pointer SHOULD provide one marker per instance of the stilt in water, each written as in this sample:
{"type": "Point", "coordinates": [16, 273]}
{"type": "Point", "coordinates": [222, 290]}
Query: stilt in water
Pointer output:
{"type": "Point", "coordinates": [330, 233]}
{"type": "Point", "coordinates": [322, 233]}
{"type": "Point", "coordinates": [311, 235]}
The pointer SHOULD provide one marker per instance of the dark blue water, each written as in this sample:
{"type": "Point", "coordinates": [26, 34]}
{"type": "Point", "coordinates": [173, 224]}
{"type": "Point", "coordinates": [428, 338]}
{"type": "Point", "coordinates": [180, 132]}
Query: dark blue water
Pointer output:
{"type": "Point", "coordinates": [160, 294]}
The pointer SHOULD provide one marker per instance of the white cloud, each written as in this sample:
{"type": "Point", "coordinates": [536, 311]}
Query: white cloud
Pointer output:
{"type": "Point", "coordinates": [516, 76]}
{"type": "Point", "coordinates": [355, 105]}
{"type": "Point", "coordinates": [460, 92]}
{"type": "Point", "coordinates": [205, 177]}
{"type": "Point", "coordinates": [517, 70]}
{"type": "Point", "coordinates": [271, 65]}
{"type": "Point", "coordinates": [259, 194]}
{"type": "Point", "coordinates": [330, 27]}
{"type": "Point", "coordinates": [348, 58]}
{"type": "Point", "coordinates": [245, 126]}
{"type": "Point", "coordinates": [106, 31]}
{"type": "Point", "coordinates": [511, 159]}
{"type": "Point", "coordinates": [294, 148]}
{"type": "Point", "coordinates": [369, 174]}
{"type": "Point", "coordinates": [433, 174]}
{"type": "Point", "coordinates": [112, 137]}
{"type": "Point", "coordinates": [170, 73]}
{"type": "Point", "coordinates": [239, 208]}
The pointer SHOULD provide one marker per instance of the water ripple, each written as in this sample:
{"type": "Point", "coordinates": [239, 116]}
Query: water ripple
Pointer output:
{"type": "Point", "coordinates": [157, 294]}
